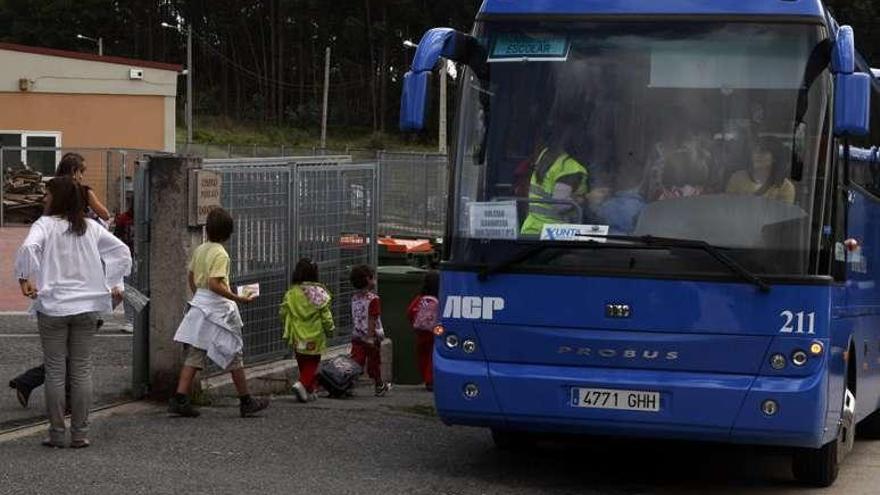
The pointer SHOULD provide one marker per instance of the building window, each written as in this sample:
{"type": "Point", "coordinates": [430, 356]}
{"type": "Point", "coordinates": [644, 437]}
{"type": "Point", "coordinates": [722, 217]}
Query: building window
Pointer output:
{"type": "Point", "coordinates": [38, 150]}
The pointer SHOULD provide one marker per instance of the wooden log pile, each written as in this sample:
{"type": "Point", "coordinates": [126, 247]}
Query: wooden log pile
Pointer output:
{"type": "Point", "coordinates": [23, 193]}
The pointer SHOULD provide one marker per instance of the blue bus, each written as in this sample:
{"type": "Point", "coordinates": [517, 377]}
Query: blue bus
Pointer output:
{"type": "Point", "coordinates": [662, 223]}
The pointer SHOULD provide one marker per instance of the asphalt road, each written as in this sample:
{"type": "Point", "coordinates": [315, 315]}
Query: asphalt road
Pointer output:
{"type": "Point", "coordinates": [393, 445]}
{"type": "Point", "coordinates": [20, 349]}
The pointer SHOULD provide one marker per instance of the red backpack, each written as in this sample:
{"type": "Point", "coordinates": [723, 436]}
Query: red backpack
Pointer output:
{"type": "Point", "coordinates": [424, 313]}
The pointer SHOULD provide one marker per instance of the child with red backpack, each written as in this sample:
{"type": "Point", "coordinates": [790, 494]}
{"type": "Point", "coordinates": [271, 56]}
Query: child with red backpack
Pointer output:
{"type": "Point", "coordinates": [424, 315]}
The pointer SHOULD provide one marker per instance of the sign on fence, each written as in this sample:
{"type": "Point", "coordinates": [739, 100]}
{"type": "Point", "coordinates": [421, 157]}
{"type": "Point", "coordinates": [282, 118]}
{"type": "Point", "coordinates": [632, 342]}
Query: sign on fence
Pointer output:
{"type": "Point", "coordinates": [204, 187]}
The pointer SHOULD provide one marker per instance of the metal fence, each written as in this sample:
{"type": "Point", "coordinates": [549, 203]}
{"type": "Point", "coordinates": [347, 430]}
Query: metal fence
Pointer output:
{"type": "Point", "coordinates": [413, 194]}
{"type": "Point", "coordinates": [284, 209]}
{"type": "Point", "coordinates": [109, 172]}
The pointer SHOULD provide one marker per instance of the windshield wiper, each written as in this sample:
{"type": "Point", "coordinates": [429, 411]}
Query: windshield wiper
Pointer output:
{"type": "Point", "coordinates": [648, 241]}
{"type": "Point", "coordinates": [709, 249]}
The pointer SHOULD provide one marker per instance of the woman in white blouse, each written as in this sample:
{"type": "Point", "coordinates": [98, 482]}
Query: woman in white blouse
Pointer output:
{"type": "Point", "coordinates": [73, 269]}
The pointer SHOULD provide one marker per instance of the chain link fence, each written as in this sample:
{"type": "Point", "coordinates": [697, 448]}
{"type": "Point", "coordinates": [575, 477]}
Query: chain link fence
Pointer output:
{"type": "Point", "coordinates": [286, 209]}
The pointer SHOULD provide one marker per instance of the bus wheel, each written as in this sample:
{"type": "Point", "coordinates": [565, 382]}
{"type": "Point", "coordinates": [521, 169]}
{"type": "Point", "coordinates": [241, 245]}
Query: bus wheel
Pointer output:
{"type": "Point", "coordinates": [512, 440]}
{"type": "Point", "coordinates": [819, 467]}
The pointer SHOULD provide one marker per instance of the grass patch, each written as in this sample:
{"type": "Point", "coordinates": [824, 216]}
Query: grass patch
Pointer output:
{"type": "Point", "coordinates": [222, 132]}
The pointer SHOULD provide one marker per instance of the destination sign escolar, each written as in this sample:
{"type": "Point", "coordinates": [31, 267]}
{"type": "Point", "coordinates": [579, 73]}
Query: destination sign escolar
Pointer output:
{"type": "Point", "coordinates": [513, 47]}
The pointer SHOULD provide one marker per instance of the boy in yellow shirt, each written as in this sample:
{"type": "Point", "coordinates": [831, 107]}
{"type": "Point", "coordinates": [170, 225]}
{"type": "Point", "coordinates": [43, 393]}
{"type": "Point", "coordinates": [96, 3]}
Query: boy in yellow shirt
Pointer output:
{"type": "Point", "coordinates": [211, 328]}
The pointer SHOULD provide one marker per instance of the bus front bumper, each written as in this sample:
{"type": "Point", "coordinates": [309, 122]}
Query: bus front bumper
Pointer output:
{"type": "Point", "coordinates": [693, 406]}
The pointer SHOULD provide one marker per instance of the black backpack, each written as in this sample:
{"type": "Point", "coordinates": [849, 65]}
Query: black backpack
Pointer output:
{"type": "Point", "coordinates": [338, 375]}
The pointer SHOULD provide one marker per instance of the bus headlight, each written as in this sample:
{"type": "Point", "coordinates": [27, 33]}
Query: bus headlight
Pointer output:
{"type": "Point", "coordinates": [799, 358]}
{"type": "Point", "coordinates": [816, 348]}
{"type": "Point", "coordinates": [777, 361]}
{"type": "Point", "coordinates": [469, 346]}
{"type": "Point", "coordinates": [452, 341]}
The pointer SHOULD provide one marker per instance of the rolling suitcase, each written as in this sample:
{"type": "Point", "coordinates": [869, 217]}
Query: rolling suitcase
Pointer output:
{"type": "Point", "coordinates": [338, 375]}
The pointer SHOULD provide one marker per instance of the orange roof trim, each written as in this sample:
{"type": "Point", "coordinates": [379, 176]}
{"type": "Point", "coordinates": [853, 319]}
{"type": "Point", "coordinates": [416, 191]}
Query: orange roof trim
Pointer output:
{"type": "Point", "coordinates": [52, 52]}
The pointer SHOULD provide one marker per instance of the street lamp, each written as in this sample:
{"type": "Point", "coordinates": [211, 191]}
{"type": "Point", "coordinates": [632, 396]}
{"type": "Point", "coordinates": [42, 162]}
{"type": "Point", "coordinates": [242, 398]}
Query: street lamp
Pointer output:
{"type": "Point", "coordinates": [99, 41]}
{"type": "Point", "coordinates": [441, 137]}
{"type": "Point", "coordinates": [189, 73]}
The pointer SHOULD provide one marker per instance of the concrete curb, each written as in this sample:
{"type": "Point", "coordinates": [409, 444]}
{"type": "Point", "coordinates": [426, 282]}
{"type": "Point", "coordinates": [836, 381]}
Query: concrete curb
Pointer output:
{"type": "Point", "coordinates": [279, 376]}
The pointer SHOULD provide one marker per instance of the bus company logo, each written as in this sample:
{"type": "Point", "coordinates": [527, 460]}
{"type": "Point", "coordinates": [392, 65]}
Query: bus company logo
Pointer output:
{"type": "Point", "coordinates": [643, 354]}
{"type": "Point", "coordinates": [472, 308]}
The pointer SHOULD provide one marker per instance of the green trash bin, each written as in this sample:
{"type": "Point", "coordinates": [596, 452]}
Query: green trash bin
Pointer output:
{"type": "Point", "coordinates": [398, 285]}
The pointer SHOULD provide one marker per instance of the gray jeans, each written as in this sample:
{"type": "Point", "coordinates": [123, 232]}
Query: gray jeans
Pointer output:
{"type": "Point", "coordinates": [68, 337]}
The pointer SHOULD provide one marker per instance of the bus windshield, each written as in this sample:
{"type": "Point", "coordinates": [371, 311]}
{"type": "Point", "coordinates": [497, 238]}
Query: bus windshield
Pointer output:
{"type": "Point", "coordinates": [703, 131]}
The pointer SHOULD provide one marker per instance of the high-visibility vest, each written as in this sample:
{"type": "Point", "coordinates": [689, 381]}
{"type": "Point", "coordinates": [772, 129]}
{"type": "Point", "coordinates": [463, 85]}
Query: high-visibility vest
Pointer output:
{"type": "Point", "coordinates": [541, 214]}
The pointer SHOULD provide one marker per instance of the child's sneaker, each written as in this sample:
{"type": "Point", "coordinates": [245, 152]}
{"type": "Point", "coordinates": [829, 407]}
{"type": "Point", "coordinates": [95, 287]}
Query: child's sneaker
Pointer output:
{"type": "Point", "coordinates": [181, 406]}
{"type": "Point", "coordinates": [313, 397]}
{"type": "Point", "coordinates": [251, 406]}
{"type": "Point", "coordinates": [383, 389]}
{"type": "Point", "coordinates": [300, 391]}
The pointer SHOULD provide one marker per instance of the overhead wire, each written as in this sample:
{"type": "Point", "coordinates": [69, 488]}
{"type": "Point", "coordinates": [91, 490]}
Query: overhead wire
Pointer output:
{"type": "Point", "coordinates": [264, 79]}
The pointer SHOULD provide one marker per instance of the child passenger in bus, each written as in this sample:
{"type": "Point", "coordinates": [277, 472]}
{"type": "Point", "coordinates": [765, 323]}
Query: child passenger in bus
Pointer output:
{"type": "Point", "coordinates": [621, 211]}
{"type": "Point", "coordinates": [765, 175]}
{"type": "Point", "coordinates": [683, 175]}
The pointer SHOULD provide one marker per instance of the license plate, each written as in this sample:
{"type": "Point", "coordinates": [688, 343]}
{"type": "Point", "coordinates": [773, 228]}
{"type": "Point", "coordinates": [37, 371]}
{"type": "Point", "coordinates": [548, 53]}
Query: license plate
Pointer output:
{"type": "Point", "coordinates": [606, 398]}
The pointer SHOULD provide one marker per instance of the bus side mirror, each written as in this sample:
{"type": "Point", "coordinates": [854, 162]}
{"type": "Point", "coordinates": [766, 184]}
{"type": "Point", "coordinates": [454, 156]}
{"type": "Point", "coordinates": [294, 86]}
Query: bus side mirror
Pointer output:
{"type": "Point", "coordinates": [437, 43]}
{"type": "Point", "coordinates": [414, 101]}
{"type": "Point", "coordinates": [852, 90]}
{"type": "Point", "coordinates": [843, 55]}
{"type": "Point", "coordinates": [852, 104]}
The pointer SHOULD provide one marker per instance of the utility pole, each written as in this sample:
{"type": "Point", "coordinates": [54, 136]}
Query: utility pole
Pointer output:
{"type": "Point", "coordinates": [326, 99]}
{"type": "Point", "coordinates": [188, 72]}
{"type": "Point", "coordinates": [442, 125]}
{"type": "Point", "coordinates": [189, 86]}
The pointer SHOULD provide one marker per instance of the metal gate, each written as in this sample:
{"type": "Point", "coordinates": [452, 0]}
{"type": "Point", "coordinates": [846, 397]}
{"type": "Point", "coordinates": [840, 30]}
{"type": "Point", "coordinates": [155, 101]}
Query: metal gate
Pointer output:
{"type": "Point", "coordinates": [284, 209]}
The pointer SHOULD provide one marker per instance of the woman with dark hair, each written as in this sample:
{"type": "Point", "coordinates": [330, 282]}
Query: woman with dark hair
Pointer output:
{"type": "Point", "coordinates": [73, 269]}
{"type": "Point", "coordinates": [766, 174]}
{"type": "Point", "coordinates": [307, 318]}
{"type": "Point", "coordinates": [73, 165]}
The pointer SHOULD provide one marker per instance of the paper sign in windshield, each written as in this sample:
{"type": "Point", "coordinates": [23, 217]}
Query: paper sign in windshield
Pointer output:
{"type": "Point", "coordinates": [515, 47]}
{"type": "Point", "coordinates": [497, 220]}
{"type": "Point", "coordinates": [574, 232]}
